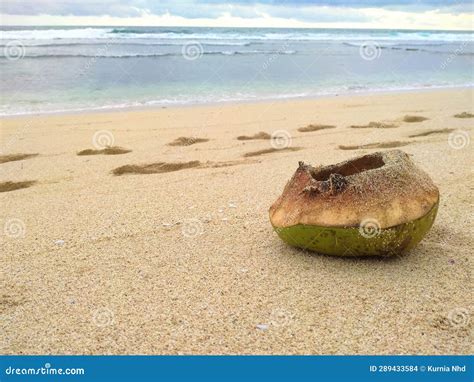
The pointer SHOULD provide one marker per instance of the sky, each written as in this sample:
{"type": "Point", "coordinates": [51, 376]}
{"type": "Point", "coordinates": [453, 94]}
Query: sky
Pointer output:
{"type": "Point", "coordinates": [384, 14]}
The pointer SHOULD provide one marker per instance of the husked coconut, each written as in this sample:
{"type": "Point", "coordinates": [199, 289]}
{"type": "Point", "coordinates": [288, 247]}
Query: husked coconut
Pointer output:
{"type": "Point", "coordinates": [377, 204]}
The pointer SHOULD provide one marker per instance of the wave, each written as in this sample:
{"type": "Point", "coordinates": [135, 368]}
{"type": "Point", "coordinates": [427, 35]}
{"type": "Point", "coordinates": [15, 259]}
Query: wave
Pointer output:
{"type": "Point", "coordinates": [151, 55]}
{"type": "Point", "coordinates": [411, 48]}
{"type": "Point", "coordinates": [54, 34]}
{"type": "Point", "coordinates": [232, 35]}
{"type": "Point", "coordinates": [147, 30]}
{"type": "Point", "coordinates": [128, 31]}
{"type": "Point", "coordinates": [404, 43]}
{"type": "Point", "coordinates": [133, 43]}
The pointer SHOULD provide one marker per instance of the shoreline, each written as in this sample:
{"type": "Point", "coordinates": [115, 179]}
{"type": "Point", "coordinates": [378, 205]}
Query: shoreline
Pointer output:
{"type": "Point", "coordinates": [125, 109]}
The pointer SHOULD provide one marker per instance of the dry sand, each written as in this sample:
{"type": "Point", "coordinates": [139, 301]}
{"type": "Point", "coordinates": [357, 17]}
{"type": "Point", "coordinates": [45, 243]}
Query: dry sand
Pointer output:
{"type": "Point", "coordinates": [186, 261]}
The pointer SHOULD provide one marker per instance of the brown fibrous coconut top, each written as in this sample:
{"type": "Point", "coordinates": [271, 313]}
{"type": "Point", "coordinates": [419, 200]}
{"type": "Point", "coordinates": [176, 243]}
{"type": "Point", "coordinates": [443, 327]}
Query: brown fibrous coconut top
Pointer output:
{"type": "Point", "coordinates": [386, 187]}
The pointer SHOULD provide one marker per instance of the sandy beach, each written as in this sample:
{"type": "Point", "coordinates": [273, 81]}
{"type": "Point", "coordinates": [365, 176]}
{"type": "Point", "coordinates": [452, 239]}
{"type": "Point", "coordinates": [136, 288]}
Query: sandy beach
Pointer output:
{"type": "Point", "coordinates": [167, 248]}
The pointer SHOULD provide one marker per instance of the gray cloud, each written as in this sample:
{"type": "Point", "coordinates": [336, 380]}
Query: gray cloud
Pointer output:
{"type": "Point", "coordinates": [304, 10]}
{"type": "Point", "coordinates": [68, 7]}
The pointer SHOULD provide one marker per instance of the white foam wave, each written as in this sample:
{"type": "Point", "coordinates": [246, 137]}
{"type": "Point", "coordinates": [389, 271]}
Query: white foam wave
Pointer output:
{"type": "Point", "coordinates": [232, 37]}
{"type": "Point", "coordinates": [140, 55]}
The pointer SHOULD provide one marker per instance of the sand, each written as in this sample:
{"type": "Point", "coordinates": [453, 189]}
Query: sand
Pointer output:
{"type": "Point", "coordinates": [186, 262]}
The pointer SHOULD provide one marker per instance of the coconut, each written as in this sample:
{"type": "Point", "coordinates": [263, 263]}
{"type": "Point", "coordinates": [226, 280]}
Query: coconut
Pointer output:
{"type": "Point", "coordinates": [377, 204]}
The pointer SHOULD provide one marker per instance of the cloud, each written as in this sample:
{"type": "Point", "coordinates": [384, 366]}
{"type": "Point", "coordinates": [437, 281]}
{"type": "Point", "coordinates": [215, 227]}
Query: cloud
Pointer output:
{"type": "Point", "coordinates": [322, 14]}
{"type": "Point", "coordinates": [214, 8]}
{"type": "Point", "coordinates": [69, 7]}
{"type": "Point", "coordinates": [304, 13]}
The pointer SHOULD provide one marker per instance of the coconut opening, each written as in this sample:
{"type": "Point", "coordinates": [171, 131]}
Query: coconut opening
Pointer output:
{"type": "Point", "coordinates": [356, 166]}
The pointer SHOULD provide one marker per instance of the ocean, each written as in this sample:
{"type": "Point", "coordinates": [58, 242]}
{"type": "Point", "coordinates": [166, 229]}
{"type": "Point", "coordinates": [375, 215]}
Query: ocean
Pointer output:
{"type": "Point", "coordinates": [60, 69]}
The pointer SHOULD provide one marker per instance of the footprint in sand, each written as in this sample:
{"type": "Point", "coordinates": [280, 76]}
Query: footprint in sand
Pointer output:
{"type": "Point", "coordinates": [314, 127]}
{"type": "Point", "coordinates": [376, 125]}
{"type": "Point", "coordinates": [260, 135]}
{"type": "Point", "coordinates": [187, 141]}
{"type": "Point", "coordinates": [12, 296]}
{"type": "Point", "coordinates": [431, 132]}
{"type": "Point", "coordinates": [15, 157]}
{"type": "Point", "coordinates": [414, 118]}
{"type": "Point", "coordinates": [383, 145]}
{"type": "Point", "coordinates": [154, 168]}
{"type": "Point", "coordinates": [12, 186]}
{"type": "Point", "coordinates": [228, 163]}
{"type": "Point", "coordinates": [162, 167]}
{"type": "Point", "coordinates": [271, 150]}
{"type": "Point", "coordinates": [112, 150]}
{"type": "Point", "coordinates": [464, 114]}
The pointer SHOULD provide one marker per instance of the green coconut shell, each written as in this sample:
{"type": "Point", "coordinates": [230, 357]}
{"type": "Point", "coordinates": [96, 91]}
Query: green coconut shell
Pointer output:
{"type": "Point", "coordinates": [353, 241]}
{"type": "Point", "coordinates": [379, 204]}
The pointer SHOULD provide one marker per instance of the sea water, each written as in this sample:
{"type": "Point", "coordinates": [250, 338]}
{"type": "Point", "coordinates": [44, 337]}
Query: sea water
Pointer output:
{"type": "Point", "coordinates": [53, 69]}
